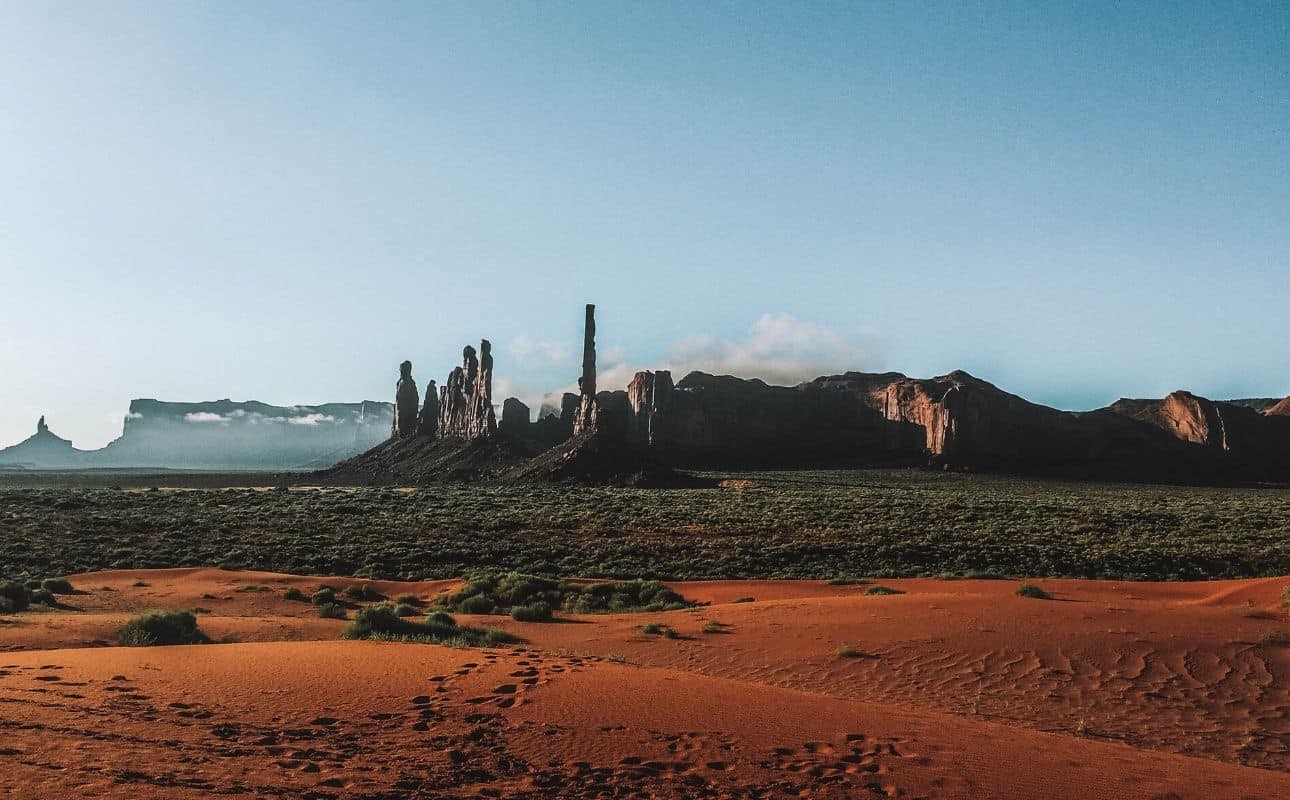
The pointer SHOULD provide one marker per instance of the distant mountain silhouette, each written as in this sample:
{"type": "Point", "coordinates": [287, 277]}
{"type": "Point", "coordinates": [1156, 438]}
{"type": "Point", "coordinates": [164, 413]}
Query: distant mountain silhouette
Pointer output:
{"type": "Point", "coordinates": [222, 434]}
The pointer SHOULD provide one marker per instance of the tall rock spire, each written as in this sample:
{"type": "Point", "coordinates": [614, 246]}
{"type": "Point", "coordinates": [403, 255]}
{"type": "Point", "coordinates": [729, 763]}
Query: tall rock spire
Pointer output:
{"type": "Point", "coordinates": [587, 408]}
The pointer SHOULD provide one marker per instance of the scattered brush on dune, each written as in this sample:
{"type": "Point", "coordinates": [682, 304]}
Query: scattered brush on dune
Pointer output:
{"type": "Point", "coordinates": [383, 622]}
{"type": "Point", "coordinates": [21, 595]}
{"type": "Point", "coordinates": [154, 628]}
{"type": "Point", "coordinates": [532, 598]}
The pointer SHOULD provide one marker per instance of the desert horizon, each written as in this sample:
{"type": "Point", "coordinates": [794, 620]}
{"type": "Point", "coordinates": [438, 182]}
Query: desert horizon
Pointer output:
{"type": "Point", "coordinates": [665, 401]}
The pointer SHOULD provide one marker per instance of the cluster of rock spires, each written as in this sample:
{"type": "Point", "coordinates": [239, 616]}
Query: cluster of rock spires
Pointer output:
{"type": "Point", "coordinates": [463, 409]}
{"type": "Point", "coordinates": [954, 421]}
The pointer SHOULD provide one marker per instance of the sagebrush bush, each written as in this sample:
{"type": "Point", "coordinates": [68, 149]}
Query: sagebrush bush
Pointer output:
{"type": "Point", "coordinates": [1032, 591]}
{"type": "Point", "coordinates": [528, 595]}
{"type": "Point", "coordinates": [533, 612]}
{"type": "Point", "coordinates": [13, 597]}
{"type": "Point", "coordinates": [362, 592]}
{"type": "Point", "coordinates": [161, 628]}
{"type": "Point", "coordinates": [405, 610]}
{"type": "Point", "coordinates": [879, 589]}
{"type": "Point", "coordinates": [294, 594]}
{"type": "Point", "coordinates": [324, 596]}
{"type": "Point", "coordinates": [332, 611]}
{"type": "Point", "coordinates": [57, 586]}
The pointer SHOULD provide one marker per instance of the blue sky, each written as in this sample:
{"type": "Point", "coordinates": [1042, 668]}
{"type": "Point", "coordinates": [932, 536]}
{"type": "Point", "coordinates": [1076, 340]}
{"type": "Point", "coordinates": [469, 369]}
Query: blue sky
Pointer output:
{"type": "Point", "coordinates": [281, 201]}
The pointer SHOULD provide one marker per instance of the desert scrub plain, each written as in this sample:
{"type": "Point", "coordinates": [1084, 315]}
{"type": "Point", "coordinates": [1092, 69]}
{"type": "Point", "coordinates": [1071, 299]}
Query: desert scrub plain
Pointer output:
{"type": "Point", "coordinates": [825, 524]}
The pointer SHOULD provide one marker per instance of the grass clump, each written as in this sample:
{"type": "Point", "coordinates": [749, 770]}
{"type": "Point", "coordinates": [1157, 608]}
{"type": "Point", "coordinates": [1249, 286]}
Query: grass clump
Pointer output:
{"type": "Point", "coordinates": [879, 589]}
{"type": "Point", "coordinates": [294, 594]}
{"type": "Point", "coordinates": [744, 600]}
{"type": "Point", "coordinates": [405, 610]}
{"type": "Point", "coordinates": [332, 611]}
{"type": "Point", "coordinates": [844, 580]}
{"type": "Point", "coordinates": [154, 628]}
{"type": "Point", "coordinates": [409, 600]}
{"type": "Point", "coordinates": [535, 598]}
{"type": "Point", "coordinates": [383, 622]}
{"type": "Point", "coordinates": [847, 651]}
{"type": "Point", "coordinates": [324, 596]}
{"type": "Point", "coordinates": [1033, 592]}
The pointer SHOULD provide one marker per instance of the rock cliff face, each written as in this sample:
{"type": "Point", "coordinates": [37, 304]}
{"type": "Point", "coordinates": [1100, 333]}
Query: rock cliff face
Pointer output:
{"type": "Point", "coordinates": [1281, 409]}
{"type": "Point", "coordinates": [954, 421]}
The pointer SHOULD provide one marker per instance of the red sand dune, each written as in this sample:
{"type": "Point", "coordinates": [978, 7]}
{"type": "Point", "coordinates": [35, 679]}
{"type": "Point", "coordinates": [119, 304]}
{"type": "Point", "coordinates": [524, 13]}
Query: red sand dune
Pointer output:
{"type": "Point", "coordinates": [961, 690]}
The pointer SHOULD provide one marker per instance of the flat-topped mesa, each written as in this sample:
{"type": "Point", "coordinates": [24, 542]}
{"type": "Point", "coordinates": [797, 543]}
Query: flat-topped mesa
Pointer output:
{"type": "Point", "coordinates": [466, 401]}
{"type": "Point", "coordinates": [586, 416]}
{"type": "Point", "coordinates": [406, 400]}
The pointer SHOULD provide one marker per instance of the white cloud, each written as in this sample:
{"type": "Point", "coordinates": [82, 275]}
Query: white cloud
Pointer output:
{"type": "Point", "coordinates": [528, 351]}
{"type": "Point", "coordinates": [311, 419]}
{"type": "Point", "coordinates": [203, 417]}
{"type": "Point", "coordinates": [780, 349]}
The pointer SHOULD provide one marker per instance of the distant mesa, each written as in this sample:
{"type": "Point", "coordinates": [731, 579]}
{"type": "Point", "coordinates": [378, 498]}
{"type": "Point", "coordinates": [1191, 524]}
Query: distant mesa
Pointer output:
{"type": "Point", "coordinates": [218, 435]}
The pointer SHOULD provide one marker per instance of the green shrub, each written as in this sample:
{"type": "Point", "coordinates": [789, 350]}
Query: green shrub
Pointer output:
{"type": "Point", "coordinates": [847, 651]}
{"type": "Point", "coordinates": [44, 597]}
{"type": "Point", "coordinates": [409, 600]}
{"type": "Point", "coordinates": [845, 581]}
{"type": "Point", "coordinates": [1032, 591]}
{"type": "Point", "coordinates": [161, 628]}
{"type": "Point", "coordinates": [533, 612]}
{"type": "Point", "coordinates": [383, 622]}
{"type": "Point", "coordinates": [879, 589]}
{"type": "Point", "coordinates": [332, 611]}
{"type": "Point", "coordinates": [324, 596]}
{"type": "Point", "coordinates": [14, 597]}
{"type": "Point", "coordinates": [440, 618]}
{"type": "Point", "coordinates": [653, 629]}
{"type": "Point", "coordinates": [405, 610]}
{"type": "Point", "coordinates": [476, 604]}
{"type": "Point", "coordinates": [57, 586]}
{"type": "Point", "coordinates": [294, 594]}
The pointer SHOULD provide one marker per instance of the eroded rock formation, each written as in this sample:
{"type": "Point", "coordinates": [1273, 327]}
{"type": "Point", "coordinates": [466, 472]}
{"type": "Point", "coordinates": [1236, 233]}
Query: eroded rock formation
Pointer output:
{"type": "Point", "coordinates": [515, 416]}
{"type": "Point", "coordinates": [586, 415]}
{"type": "Point", "coordinates": [466, 402]}
{"type": "Point", "coordinates": [428, 422]}
{"type": "Point", "coordinates": [406, 400]}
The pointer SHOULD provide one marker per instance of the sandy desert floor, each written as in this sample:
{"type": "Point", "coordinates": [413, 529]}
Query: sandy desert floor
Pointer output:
{"type": "Point", "coordinates": [954, 689]}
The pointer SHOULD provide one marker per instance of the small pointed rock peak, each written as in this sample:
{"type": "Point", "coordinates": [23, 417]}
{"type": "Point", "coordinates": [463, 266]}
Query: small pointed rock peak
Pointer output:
{"type": "Point", "coordinates": [41, 427]}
